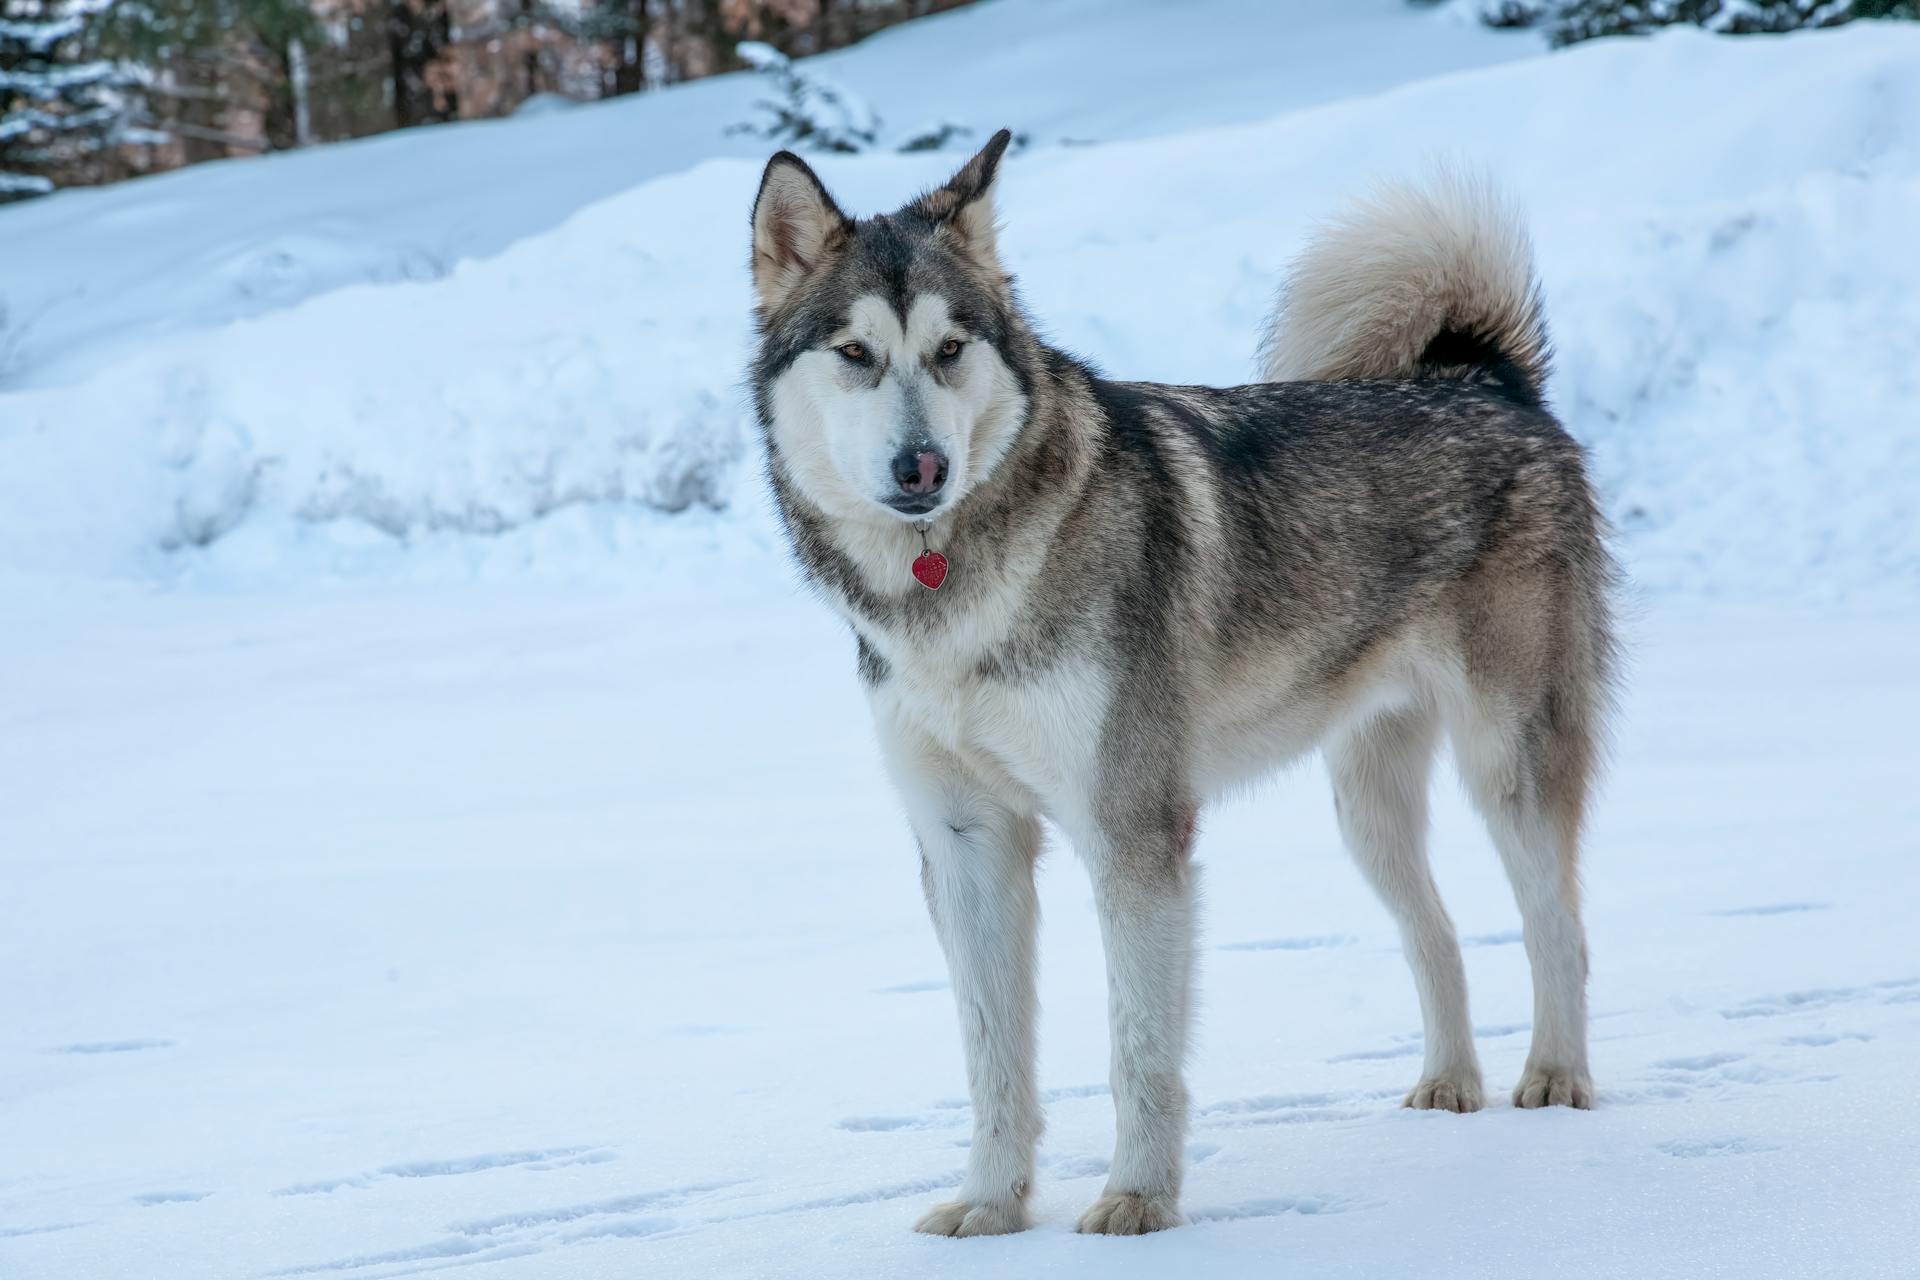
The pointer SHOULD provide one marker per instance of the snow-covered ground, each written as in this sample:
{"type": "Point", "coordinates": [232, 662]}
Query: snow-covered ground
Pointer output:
{"type": "Point", "coordinates": [436, 832]}
{"type": "Point", "coordinates": [571, 936]}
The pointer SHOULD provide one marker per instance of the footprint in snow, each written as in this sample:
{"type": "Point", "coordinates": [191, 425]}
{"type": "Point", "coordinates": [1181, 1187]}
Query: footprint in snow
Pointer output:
{"type": "Point", "coordinates": [1070, 1167]}
{"type": "Point", "coordinates": [1772, 909]}
{"type": "Point", "coordinates": [1291, 944]}
{"type": "Point", "coordinates": [1293, 1108]}
{"type": "Point", "coordinates": [894, 1124]}
{"type": "Point", "coordinates": [530, 1231]}
{"type": "Point", "coordinates": [1887, 991]}
{"type": "Point", "coordinates": [1703, 1062]}
{"type": "Point", "coordinates": [949, 1113]}
{"type": "Point", "coordinates": [1278, 1205]}
{"type": "Point", "coordinates": [9, 1233]}
{"type": "Point", "coordinates": [537, 1161]}
{"type": "Point", "coordinates": [1821, 1039]}
{"type": "Point", "coordinates": [111, 1046]}
{"type": "Point", "coordinates": [1375, 1055]}
{"type": "Point", "coordinates": [1704, 1148]}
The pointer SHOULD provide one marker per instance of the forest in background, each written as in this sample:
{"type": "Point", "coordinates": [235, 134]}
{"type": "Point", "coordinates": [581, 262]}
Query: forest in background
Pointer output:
{"type": "Point", "coordinates": [95, 91]}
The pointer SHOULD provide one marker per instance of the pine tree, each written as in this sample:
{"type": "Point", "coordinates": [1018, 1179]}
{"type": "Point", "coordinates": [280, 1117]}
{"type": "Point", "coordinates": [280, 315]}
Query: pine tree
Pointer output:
{"type": "Point", "coordinates": [1590, 18]}
{"type": "Point", "coordinates": [1570, 21]}
{"type": "Point", "coordinates": [208, 63]}
{"type": "Point", "coordinates": [62, 106]}
{"type": "Point", "coordinates": [810, 110]}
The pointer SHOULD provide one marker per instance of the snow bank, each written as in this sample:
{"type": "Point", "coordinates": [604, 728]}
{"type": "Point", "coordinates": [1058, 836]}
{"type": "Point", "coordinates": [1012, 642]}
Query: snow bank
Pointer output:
{"type": "Point", "coordinates": [553, 377]}
{"type": "Point", "coordinates": [1729, 289]}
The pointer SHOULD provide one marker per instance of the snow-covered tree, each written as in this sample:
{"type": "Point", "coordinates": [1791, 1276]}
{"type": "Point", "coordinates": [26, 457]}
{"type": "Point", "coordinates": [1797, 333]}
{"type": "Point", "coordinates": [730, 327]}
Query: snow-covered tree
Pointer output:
{"type": "Point", "coordinates": [1570, 21]}
{"type": "Point", "coordinates": [809, 109]}
{"type": "Point", "coordinates": [61, 103]}
{"type": "Point", "coordinates": [1515, 13]}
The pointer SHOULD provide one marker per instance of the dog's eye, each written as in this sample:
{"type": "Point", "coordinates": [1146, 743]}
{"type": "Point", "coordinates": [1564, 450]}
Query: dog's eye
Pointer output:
{"type": "Point", "coordinates": [950, 348]}
{"type": "Point", "coordinates": [853, 351]}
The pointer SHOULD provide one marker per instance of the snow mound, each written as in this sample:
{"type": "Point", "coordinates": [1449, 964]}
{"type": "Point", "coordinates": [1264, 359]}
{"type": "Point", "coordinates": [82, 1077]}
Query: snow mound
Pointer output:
{"type": "Point", "coordinates": [512, 389]}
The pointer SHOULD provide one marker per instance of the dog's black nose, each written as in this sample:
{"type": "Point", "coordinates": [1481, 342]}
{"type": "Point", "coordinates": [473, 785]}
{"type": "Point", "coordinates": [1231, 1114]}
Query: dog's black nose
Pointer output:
{"type": "Point", "coordinates": [920, 471]}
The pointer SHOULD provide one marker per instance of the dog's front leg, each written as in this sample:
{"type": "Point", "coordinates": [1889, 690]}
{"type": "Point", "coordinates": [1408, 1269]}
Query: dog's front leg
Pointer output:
{"type": "Point", "coordinates": [1143, 891]}
{"type": "Point", "coordinates": [976, 864]}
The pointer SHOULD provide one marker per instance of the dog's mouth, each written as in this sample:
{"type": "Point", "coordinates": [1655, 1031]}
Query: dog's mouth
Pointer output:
{"type": "Point", "coordinates": [913, 504]}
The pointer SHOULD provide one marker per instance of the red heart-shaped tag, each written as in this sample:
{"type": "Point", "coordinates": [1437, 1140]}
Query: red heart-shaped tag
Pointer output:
{"type": "Point", "coordinates": [930, 567]}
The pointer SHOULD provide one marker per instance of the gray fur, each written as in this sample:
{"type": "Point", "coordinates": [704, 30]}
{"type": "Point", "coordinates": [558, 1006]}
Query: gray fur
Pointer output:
{"type": "Point", "coordinates": [1158, 593]}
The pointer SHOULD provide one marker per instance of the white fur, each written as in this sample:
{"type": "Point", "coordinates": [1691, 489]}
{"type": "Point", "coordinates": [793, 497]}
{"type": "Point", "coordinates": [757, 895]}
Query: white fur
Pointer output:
{"type": "Point", "coordinates": [977, 855]}
{"type": "Point", "coordinates": [1147, 927]}
{"type": "Point", "coordinates": [837, 436]}
{"type": "Point", "coordinates": [987, 758]}
{"type": "Point", "coordinates": [1556, 1071]}
{"type": "Point", "coordinates": [1380, 772]}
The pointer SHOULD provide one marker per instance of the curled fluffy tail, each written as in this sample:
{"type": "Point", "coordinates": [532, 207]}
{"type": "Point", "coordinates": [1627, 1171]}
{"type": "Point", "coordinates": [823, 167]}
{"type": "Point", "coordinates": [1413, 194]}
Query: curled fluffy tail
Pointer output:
{"type": "Point", "coordinates": [1432, 281]}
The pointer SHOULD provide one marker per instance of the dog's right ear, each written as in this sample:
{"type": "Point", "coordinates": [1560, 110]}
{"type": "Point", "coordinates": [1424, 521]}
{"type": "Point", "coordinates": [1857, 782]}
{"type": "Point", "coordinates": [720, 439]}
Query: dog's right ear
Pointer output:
{"type": "Point", "coordinates": [795, 225]}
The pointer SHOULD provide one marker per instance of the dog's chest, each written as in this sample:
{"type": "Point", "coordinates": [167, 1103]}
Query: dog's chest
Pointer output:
{"type": "Point", "coordinates": [1041, 729]}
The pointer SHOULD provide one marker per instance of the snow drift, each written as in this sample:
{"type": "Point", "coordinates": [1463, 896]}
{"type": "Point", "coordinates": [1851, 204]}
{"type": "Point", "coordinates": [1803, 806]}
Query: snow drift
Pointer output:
{"type": "Point", "coordinates": [1728, 288]}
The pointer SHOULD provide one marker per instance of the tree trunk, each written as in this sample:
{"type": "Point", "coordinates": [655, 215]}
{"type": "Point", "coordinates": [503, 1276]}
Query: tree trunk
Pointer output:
{"type": "Point", "coordinates": [302, 97]}
{"type": "Point", "coordinates": [630, 46]}
{"type": "Point", "coordinates": [418, 33]}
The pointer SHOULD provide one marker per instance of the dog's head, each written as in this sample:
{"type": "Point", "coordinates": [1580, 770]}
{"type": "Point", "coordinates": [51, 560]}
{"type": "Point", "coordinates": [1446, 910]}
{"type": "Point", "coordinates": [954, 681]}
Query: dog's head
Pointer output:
{"type": "Point", "coordinates": [885, 375]}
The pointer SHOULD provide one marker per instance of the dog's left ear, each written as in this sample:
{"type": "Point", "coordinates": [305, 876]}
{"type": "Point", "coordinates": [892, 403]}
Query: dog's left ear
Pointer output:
{"type": "Point", "coordinates": [964, 206]}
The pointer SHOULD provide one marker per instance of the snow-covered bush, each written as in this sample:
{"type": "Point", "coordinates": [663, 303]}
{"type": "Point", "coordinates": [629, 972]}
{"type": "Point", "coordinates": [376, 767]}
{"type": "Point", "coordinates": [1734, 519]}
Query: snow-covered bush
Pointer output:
{"type": "Point", "coordinates": [933, 137]}
{"type": "Point", "coordinates": [809, 110]}
{"type": "Point", "coordinates": [59, 101]}
{"type": "Point", "coordinates": [1570, 21]}
{"type": "Point", "coordinates": [1515, 13]}
{"type": "Point", "coordinates": [1585, 19]}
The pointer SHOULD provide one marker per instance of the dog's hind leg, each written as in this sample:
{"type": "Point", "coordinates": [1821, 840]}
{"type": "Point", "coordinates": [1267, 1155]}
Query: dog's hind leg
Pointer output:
{"type": "Point", "coordinates": [1525, 749]}
{"type": "Point", "coordinates": [1380, 771]}
{"type": "Point", "coordinates": [977, 857]}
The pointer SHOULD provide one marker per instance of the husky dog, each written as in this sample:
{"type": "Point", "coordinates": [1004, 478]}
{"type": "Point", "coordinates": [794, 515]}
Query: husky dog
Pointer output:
{"type": "Point", "coordinates": [1103, 603]}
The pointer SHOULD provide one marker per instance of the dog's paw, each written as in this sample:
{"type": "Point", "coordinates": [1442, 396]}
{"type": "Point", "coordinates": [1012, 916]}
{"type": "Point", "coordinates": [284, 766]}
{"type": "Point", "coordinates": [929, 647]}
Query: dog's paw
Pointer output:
{"type": "Point", "coordinates": [1129, 1213]}
{"type": "Point", "coordinates": [1459, 1092]}
{"type": "Point", "coordinates": [1553, 1087]}
{"type": "Point", "coordinates": [964, 1218]}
